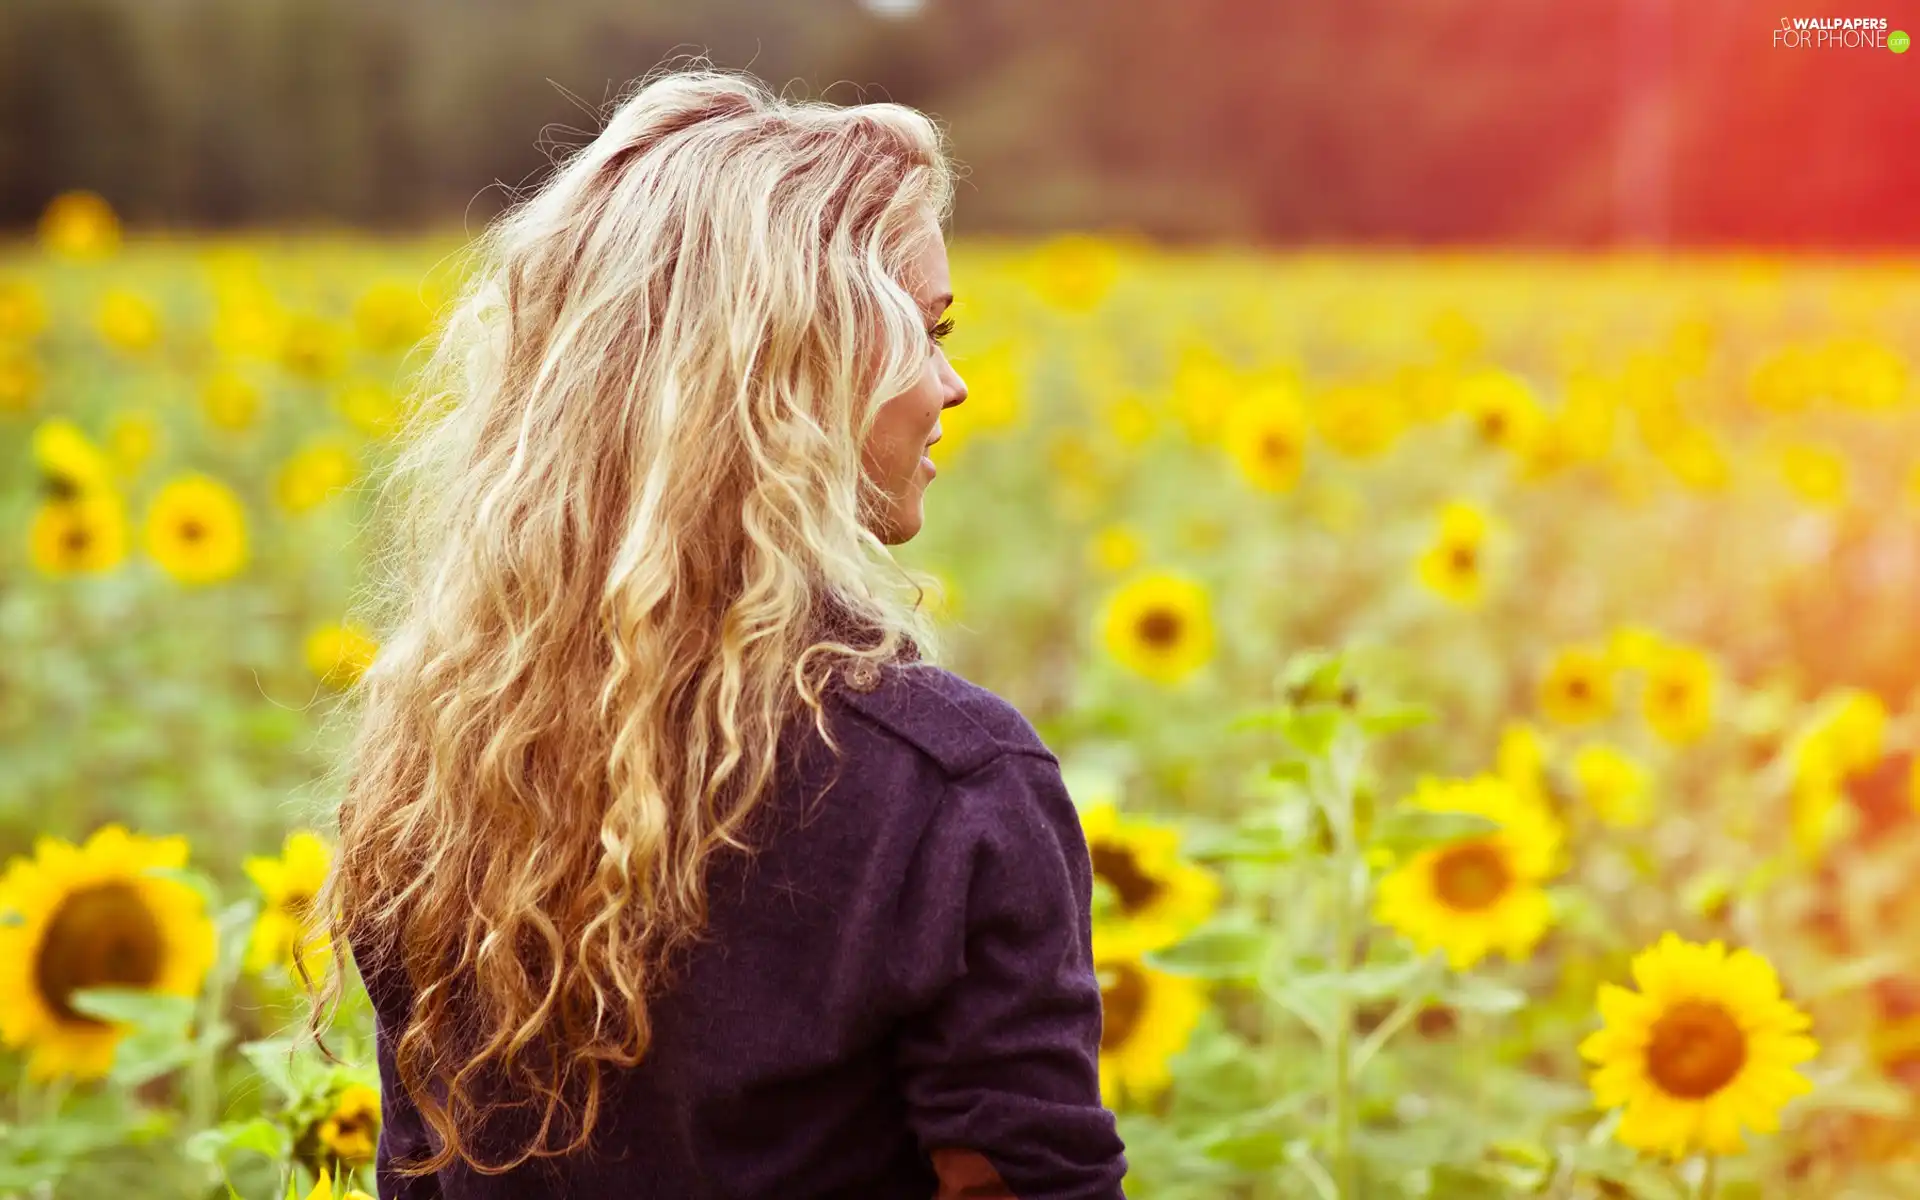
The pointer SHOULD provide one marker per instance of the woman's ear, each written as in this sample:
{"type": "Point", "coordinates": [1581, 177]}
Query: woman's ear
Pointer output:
{"type": "Point", "coordinates": [967, 1175]}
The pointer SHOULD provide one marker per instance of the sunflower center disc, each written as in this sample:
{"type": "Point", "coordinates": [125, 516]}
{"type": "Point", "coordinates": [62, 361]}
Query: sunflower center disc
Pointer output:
{"type": "Point", "coordinates": [1159, 628]}
{"type": "Point", "coordinates": [1471, 876]}
{"type": "Point", "coordinates": [1121, 1003]}
{"type": "Point", "coordinates": [298, 905]}
{"type": "Point", "coordinates": [1116, 865]}
{"type": "Point", "coordinates": [102, 936]}
{"type": "Point", "coordinates": [1695, 1050]}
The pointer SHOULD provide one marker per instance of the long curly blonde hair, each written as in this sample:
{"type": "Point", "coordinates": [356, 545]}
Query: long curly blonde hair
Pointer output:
{"type": "Point", "coordinates": [629, 487]}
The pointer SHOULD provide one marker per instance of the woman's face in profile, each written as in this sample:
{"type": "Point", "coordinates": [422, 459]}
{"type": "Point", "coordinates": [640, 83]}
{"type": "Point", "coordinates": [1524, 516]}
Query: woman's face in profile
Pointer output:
{"type": "Point", "coordinates": [894, 456]}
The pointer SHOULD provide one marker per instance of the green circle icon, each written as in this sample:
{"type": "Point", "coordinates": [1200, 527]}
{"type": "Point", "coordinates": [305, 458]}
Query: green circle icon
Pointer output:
{"type": "Point", "coordinates": [1898, 41]}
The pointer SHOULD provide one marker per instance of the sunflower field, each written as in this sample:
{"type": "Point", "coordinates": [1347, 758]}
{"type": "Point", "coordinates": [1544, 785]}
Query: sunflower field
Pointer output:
{"type": "Point", "coordinates": [1489, 682]}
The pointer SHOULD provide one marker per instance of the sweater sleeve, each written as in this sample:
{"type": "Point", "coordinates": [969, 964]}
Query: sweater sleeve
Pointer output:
{"type": "Point", "coordinates": [1002, 1056]}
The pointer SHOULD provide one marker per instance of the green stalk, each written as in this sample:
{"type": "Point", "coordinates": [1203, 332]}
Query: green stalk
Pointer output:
{"type": "Point", "coordinates": [1341, 1046]}
{"type": "Point", "coordinates": [1709, 1179]}
{"type": "Point", "coordinates": [202, 1073]}
{"type": "Point", "coordinates": [1344, 939]}
{"type": "Point", "coordinates": [1267, 1187]}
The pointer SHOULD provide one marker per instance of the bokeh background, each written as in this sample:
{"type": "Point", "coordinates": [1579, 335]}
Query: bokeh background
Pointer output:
{"type": "Point", "coordinates": [1494, 123]}
{"type": "Point", "coordinates": [1544, 370]}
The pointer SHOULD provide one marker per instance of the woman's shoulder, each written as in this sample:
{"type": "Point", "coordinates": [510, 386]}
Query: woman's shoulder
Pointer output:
{"type": "Point", "coordinates": [953, 721]}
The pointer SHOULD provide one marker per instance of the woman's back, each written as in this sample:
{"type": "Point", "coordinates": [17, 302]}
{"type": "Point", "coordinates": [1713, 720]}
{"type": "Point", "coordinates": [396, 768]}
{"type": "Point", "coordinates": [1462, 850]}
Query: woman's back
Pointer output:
{"type": "Point", "coordinates": [904, 966]}
{"type": "Point", "coordinates": [685, 403]}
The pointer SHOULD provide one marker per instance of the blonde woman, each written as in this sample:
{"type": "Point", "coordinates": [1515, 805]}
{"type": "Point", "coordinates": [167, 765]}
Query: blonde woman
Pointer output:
{"type": "Point", "coordinates": [672, 864]}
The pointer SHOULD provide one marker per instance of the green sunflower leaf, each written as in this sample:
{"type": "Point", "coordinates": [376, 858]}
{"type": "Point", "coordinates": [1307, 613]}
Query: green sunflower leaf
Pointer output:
{"type": "Point", "coordinates": [1393, 718]}
{"type": "Point", "coordinates": [1264, 843]}
{"type": "Point", "coordinates": [135, 1006]}
{"type": "Point", "coordinates": [1248, 1151]}
{"type": "Point", "coordinates": [257, 1136]}
{"type": "Point", "coordinates": [1470, 993]}
{"type": "Point", "coordinates": [1221, 950]}
{"type": "Point", "coordinates": [1313, 675]}
{"type": "Point", "coordinates": [1312, 730]}
{"type": "Point", "coordinates": [157, 1042]}
{"type": "Point", "coordinates": [1406, 829]}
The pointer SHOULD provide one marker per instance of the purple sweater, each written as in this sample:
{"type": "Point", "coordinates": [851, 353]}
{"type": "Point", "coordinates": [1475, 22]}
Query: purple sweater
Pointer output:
{"type": "Point", "coordinates": [906, 965]}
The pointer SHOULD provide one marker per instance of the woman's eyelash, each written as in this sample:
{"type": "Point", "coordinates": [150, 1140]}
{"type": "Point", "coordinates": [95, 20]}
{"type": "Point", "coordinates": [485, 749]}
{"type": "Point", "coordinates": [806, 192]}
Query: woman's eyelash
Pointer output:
{"type": "Point", "coordinates": [941, 330]}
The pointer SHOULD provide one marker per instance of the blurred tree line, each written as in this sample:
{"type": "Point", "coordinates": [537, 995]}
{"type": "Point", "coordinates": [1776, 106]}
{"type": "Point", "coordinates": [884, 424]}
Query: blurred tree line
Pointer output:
{"type": "Point", "coordinates": [1328, 120]}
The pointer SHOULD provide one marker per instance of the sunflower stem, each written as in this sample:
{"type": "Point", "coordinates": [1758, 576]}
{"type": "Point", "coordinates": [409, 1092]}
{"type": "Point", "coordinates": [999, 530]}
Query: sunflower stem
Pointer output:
{"type": "Point", "coordinates": [1709, 1179]}
{"type": "Point", "coordinates": [202, 1072]}
{"type": "Point", "coordinates": [1348, 866]}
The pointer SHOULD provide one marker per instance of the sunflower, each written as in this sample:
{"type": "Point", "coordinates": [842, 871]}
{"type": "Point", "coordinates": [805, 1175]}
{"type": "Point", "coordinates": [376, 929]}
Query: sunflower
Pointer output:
{"type": "Point", "coordinates": [1147, 1017]}
{"type": "Point", "coordinates": [1707, 1044]}
{"type": "Point", "coordinates": [288, 885]}
{"type": "Point", "coordinates": [390, 317]}
{"type": "Point", "coordinates": [1677, 699]}
{"type": "Point", "coordinates": [128, 321]}
{"type": "Point", "coordinates": [84, 536]}
{"type": "Point", "coordinates": [1360, 419]}
{"type": "Point", "coordinates": [1502, 408]}
{"type": "Point", "coordinates": [352, 1130]}
{"type": "Point", "coordinates": [310, 347]}
{"type": "Point", "coordinates": [1816, 475]}
{"type": "Point", "coordinates": [1157, 897]}
{"type": "Point", "coordinates": [1454, 566]}
{"type": "Point", "coordinates": [1865, 374]}
{"type": "Point", "coordinates": [1586, 418]}
{"type": "Point", "coordinates": [79, 224]}
{"type": "Point", "coordinates": [197, 531]}
{"type": "Point", "coordinates": [1633, 647]}
{"type": "Point", "coordinates": [71, 466]}
{"type": "Point", "coordinates": [249, 324]}
{"type": "Point", "coordinates": [1847, 732]}
{"type": "Point", "coordinates": [371, 407]}
{"type": "Point", "coordinates": [997, 377]}
{"type": "Point", "coordinates": [1523, 759]}
{"type": "Point", "coordinates": [1266, 436]}
{"type": "Point", "coordinates": [132, 438]}
{"type": "Point", "coordinates": [20, 378]}
{"type": "Point", "coordinates": [1611, 785]}
{"type": "Point", "coordinates": [1844, 740]}
{"type": "Point", "coordinates": [1474, 895]}
{"type": "Point", "coordinates": [1455, 334]}
{"type": "Point", "coordinates": [1132, 419]}
{"type": "Point", "coordinates": [93, 916]}
{"type": "Point", "coordinates": [1205, 389]}
{"type": "Point", "coordinates": [1115, 548]}
{"type": "Point", "coordinates": [1693, 454]}
{"type": "Point", "coordinates": [340, 654]}
{"type": "Point", "coordinates": [1785, 380]}
{"type": "Point", "coordinates": [23, 312]}
{"type": "Point", "coordinates": [1073, 272]}
{"type": "Point", "coordinates": [1578, 686]}
{"type": "Point", "coordinates": [1161, 626]}
{"type": "Point", "coordinates": [313, 475]}
{"type": "Point", "coordinates": [1549, 451]}
{"type": "Point", "coordinates": [230, 401]}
